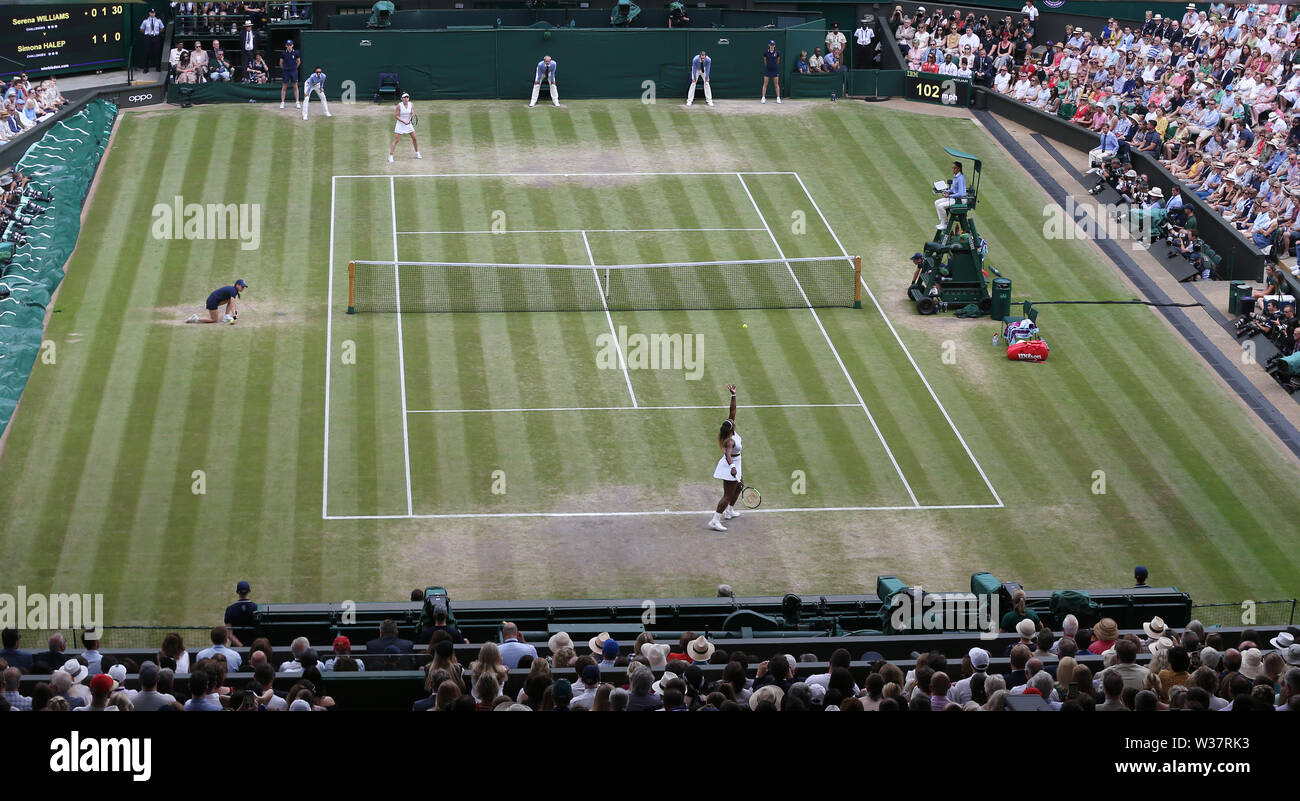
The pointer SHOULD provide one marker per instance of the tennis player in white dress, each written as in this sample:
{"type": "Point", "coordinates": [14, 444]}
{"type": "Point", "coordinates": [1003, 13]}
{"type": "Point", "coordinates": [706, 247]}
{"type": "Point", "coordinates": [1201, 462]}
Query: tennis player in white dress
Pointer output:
{"type": "Point", "coordinates": [405, 125]}
{"type": "Point", "coordinates": [728, 468]}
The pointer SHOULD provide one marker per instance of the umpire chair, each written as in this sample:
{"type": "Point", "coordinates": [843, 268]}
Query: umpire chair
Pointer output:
{"type": "Point", "coordinates": [388, 84]}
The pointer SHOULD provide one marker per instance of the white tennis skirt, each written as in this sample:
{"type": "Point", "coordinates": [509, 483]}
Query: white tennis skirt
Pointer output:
{"type": "Point", "coordinates": [723, 470]}
{"type": "Point", "coordinates": [403, 128]}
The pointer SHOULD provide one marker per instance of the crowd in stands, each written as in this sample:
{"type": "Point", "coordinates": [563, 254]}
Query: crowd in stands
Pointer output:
{"type": "Point", "coordinates": [1212, 96]}
{"type": "Point", "coordinates": [830, 60]}
{"type": "Point", "coordinates": [27, 104]}
{"type": "Point", "coordinates": [1189, 670]}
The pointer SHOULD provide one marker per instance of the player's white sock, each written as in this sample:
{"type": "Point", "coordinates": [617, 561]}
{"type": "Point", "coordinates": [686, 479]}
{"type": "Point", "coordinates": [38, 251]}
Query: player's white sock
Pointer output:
{"type": "Point", "coordinates": [690, 94]}
{"type": "Point", "coordinates": [708, 93]}
{"type": "Point", "coordinates": [555, 95]}
{"type": "Point", "coordinates": [536, 88]}
{"type": "Point", "coordinates": [390, 158]}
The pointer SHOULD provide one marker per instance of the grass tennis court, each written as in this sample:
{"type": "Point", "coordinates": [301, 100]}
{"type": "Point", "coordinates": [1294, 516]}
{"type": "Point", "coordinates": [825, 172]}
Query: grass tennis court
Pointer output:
{"type": "Point", "coordinates": [98, 480]}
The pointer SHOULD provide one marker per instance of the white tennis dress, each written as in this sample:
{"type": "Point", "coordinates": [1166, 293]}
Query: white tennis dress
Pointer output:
{"type": "Point", "coordinates": [404, 125]}
{"type": "Point", "coordinates": [723, 470]}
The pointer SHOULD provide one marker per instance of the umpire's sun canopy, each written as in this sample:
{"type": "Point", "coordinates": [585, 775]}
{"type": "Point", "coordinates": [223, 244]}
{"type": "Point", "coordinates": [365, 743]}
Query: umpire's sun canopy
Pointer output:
{"type": "Point", "coordinates": [957, 154]}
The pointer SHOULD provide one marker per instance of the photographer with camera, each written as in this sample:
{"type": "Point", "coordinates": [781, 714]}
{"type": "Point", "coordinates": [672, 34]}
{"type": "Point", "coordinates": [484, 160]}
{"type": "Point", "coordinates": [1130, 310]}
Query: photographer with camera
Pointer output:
{"type": "Point", "coordinates": [1111, 175]}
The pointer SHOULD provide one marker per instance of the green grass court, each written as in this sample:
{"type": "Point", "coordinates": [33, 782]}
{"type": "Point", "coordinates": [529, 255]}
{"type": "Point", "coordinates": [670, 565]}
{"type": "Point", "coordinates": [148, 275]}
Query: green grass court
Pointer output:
{"type": "Point", "coordinates": [352, 457]}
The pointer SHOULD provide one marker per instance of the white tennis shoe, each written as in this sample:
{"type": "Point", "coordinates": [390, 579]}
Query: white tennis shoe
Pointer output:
{"type": "Point", "coordinates": [716, 526]}
{"type": "Point", "coordinates": [778, 98]}
{"type": "Point", "coordinates": [390, 159]}
{"type": "Point", "coordinates": [194, 318]}
{"type": "Point", "coordinates": [730, 514]}
{"type": "Point", "coordinates": [417, 155]}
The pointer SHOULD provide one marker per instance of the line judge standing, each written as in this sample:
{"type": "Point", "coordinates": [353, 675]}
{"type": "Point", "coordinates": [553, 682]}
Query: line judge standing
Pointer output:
{"type": "Point", "coordinates": [545, 71]}
{"type": "Point", "coordinates": [701, 66]}
{"type": "Point", "coordinates": [152, 28]}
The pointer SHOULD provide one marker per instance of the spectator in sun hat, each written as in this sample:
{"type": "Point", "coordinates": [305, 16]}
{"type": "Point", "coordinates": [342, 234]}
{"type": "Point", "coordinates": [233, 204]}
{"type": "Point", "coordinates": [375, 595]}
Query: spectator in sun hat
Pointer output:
{"type": "Point", "coordinates": [559, 640]}
{"type": "Point", "coordinates": [1282, 641]}
{"type": "Point", "coordinates": [768, 694]}
{"type": "Point", "coordinates": [1252, 663]}
{"type": "Point", "coordinates": [1104, 635]}
{"type": "Point", "coordinates": [597, 644]}
{"type": "Point", "coordinates": [1026, 630]}
{"type": "Point", "coordinates": [657, 653]}
{"type": "Point", "coordinates": [699, 651]}
{"type": "Point", "coordinates": [1155, 629]}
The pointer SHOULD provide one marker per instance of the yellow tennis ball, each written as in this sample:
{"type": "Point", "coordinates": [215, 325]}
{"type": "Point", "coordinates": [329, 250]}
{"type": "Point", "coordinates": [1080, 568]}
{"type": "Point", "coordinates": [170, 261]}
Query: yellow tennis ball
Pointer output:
{"type": "Point", "coordinates": [744, 325]}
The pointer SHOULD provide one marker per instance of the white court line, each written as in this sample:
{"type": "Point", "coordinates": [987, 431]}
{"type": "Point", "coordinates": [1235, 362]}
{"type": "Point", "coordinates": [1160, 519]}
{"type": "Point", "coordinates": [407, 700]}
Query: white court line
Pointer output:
{"type": "Point", "coordinates": [555, 174]}
{"type": "Point", "coordinates": [827, 336]}
{"type": "Point", "coordinates": [329, 344]}
{"type": "Point", "coordinates": [666, 512]}
{"type": "Point", "coordinates": [599, 289]}
{"type": "Point", "coordinates": [401, 350]}
{"type": "Point", "coordinates": [637, 408]}
{"type": "Point", "coordinates": [906, 352]}
{"type": "Point", "coordinates": [587, 230]}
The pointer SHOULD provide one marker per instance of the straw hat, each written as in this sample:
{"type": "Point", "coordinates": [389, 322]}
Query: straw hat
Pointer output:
{"type": "Point", "coordinates": [558, 641]}
{"type": "Point", "coordinates": [1106, 629]}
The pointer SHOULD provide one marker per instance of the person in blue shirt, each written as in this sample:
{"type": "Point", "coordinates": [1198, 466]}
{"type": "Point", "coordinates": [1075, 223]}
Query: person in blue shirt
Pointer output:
{"type": "Point", "coordinates": [315, 83]}
{"type": "Point", "coordinates": [545, 72]}
{"type": "Point", "coordinates": [701, 66]}
{"type": "Point", "coordinates": [771, 70]}
{"type": "Point", "coordinates": [227, 296]}
{"type": "Point", "coordinates": [956, 191]}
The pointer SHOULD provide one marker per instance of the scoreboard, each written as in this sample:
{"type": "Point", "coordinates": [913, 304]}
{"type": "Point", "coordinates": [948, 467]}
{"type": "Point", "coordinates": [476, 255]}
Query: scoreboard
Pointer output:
{"type": "Point", "coordinates": [932, 87]}
{"type": "Point", "coordinates": [53, 38]}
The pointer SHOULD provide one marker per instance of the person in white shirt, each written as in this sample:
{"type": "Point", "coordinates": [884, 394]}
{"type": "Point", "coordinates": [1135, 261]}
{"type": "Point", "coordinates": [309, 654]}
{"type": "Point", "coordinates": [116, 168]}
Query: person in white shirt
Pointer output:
{"type": "Point", "coordinates": [835, 38]}
{"type": "Point", "coordinates": [864, 56]}
{"type": "Point", "coordinates": [1002, 81]}
{"type": "Point", "coordinates": [1030, 10]}
{"type": "Point", "coordinates": [947, 67]}
{"type": "Point", "coordinates": [584, 693]}
{"type": "Point", "coordinates": [1021, 89]}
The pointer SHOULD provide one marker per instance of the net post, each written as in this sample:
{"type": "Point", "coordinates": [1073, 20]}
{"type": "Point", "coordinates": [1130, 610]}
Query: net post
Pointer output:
{"type": "Point", "coordinates": [857, 282]}
{"type": "Point", "coordinates": [352, 287]}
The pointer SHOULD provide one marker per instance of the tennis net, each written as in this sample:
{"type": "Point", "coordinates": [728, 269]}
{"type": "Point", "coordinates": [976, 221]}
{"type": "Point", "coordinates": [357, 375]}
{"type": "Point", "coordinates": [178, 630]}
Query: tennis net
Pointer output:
{"type": "Point", "coordinates": [387, 286]}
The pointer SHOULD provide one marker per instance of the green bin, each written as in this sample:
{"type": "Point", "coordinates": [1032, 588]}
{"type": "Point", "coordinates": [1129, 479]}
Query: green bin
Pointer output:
{"type": "Point", "coordinates": [1236, 291]}
{"type": "Point", "coordinates": [1001, 308]}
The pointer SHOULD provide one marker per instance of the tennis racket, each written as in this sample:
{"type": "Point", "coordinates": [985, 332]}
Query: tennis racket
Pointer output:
{"type": "Point", "coordinates": [415, 119]}
{"type": "Point", "coordinates": [750, 497]}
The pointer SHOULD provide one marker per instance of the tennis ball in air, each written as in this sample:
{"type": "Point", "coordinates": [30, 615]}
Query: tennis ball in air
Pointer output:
{"type": "Point", "coordinates": [744, 325]}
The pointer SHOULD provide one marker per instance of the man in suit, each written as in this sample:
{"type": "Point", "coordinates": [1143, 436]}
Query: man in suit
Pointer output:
{"type": "Point", "coordinates": [388, 636]}
{"type": "Point", "coordinates": [247, 45]}
{"type": "Point", "coordinates": [51, 660]}
{"type": "Point", "coordinates": [983, 67]}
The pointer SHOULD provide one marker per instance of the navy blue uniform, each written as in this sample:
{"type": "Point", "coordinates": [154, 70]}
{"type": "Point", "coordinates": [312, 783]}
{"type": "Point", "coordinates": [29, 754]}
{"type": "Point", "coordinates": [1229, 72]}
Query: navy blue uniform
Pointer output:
{"type": "Point", "coordinates": [770, 59]}
{"type": "Point", "coordinates": [221, 296]}
{"type": "Point", "coordinates": [290, 59]}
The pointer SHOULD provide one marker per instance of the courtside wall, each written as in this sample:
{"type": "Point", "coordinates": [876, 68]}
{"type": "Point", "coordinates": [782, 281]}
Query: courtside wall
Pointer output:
{"type": "Point", "coordinates": [447, 65]}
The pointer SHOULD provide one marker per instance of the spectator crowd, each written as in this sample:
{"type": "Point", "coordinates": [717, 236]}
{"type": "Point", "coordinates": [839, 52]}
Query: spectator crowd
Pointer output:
{"type": "Point", "coordinates": [1212, 96]}
{"type": "Point", "coordinates": [27, 104]}
{"type": "Point", "coordinates": [1155, 669]}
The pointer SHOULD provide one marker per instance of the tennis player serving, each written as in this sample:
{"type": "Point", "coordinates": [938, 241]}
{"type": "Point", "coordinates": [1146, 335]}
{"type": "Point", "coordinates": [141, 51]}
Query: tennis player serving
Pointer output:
{"type": "Point", "coordinates": [405, 125]}
{"type": "Point", "coordinates": [728, 468]}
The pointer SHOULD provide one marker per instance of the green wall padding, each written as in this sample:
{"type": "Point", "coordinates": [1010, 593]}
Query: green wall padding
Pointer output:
{"type": "Point", "coordinates": [63, 161]}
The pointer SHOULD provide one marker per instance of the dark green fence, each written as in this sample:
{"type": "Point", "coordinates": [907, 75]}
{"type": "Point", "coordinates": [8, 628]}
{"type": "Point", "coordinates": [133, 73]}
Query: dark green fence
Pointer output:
{"type": "Point", "coordinates": [500, 63]}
